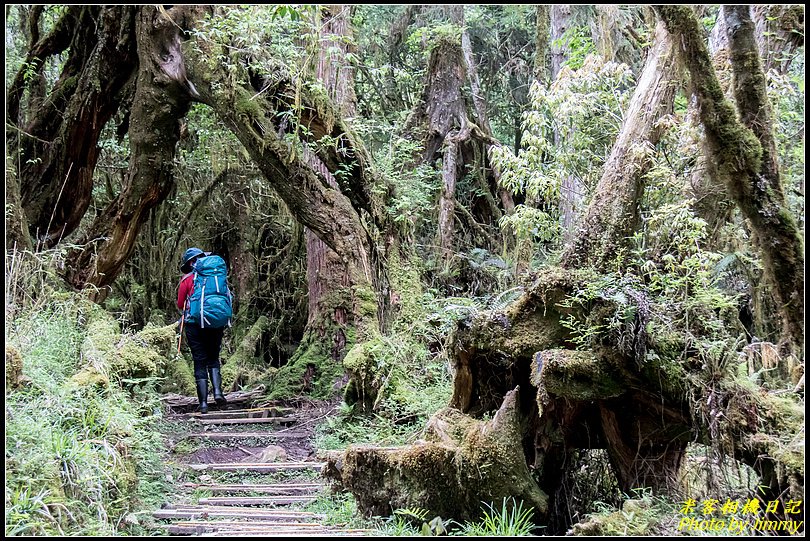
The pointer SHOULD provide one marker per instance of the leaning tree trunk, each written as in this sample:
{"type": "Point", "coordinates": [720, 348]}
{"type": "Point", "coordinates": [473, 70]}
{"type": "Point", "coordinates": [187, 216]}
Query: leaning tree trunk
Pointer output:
{"type": "Point", "coordinates": [613, 214]}
{"type": "Point", "coordinates": [162, 98]}
{"type": "Point", "coordinates": [711, 202]}
{"type": "Point", "coordinates": [55, 151]}
{"type": "Point", "coordinates": [304, 184]}
{"type": "Point", "coordinates": [744, 151]}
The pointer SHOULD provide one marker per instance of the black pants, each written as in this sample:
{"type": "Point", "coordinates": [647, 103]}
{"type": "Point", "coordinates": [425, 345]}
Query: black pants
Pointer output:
{"type": "Point", "coordinates": [205, 345]}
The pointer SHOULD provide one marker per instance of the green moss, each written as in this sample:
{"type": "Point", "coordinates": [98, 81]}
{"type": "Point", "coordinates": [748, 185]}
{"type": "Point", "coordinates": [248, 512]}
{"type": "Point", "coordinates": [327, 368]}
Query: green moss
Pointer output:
{"type": "Point", "coordinates": [361, 365]}
{"type": "Point", "coordinates": [577, 375]}
{"type": "Point", "coordinates": [90, 378]}
{"type": "Point", "coordinates": [312, 371]}
{"type": "Point", "coordinates": [244, 105]}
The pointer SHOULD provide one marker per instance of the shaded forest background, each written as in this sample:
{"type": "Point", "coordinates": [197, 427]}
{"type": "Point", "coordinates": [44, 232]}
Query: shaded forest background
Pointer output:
{"type": "Point", "coordinates": [428, 206]}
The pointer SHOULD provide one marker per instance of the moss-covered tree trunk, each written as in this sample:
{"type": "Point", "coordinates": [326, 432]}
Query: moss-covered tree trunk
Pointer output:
{"type": "Point", "coordinates": [162, 97]}
{"type": "Point", "coordinates": [54, 142]}
{"type": "Point", "coordinates": [744, 150]}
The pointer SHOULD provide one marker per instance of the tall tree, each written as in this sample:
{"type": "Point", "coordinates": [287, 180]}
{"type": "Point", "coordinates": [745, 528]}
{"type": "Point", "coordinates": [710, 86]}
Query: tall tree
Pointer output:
{"type": "Point", "coordinates": [329, 301]}
{"type": "Point", "coordinates": [449, 130]}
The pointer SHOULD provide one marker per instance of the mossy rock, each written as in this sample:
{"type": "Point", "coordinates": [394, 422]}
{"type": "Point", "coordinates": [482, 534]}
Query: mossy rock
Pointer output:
{"type": "Point", "coordinates": [14, 367]}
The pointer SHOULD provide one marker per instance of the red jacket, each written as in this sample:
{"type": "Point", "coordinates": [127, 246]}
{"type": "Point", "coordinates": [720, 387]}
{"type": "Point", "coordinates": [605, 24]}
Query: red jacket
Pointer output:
{"type": "Point", "coordinates": [185, 290]}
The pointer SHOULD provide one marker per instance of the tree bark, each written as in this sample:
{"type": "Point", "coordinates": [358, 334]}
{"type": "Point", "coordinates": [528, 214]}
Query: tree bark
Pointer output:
{"type": "Point", "coordinates": [542, 39]}
{"type": "Point", "coordinates": [613, 216]}
{"type": "Point", "coordinates": [162, 98]}
{"type": "Point", "coordinates": [779, 32]}
{"type": "Point", "coordinates": [330, 308]}
{"type": "Point", "coordinates": [571, 188]}
{"type": "Point", "coordinates": [443, 110]}
{"type": "Point", "coordinates": [744, 151]}
{"type": "Point", "coordinates": [712, 203]}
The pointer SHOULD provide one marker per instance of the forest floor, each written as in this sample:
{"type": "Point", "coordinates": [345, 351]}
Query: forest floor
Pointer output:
{"type": "Point", "coordinates": [248, 469]}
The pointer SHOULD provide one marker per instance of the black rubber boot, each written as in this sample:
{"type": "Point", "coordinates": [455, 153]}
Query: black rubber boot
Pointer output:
{"type": "Point", "coordinates": [202, 394]}
{"type": "Point", "coordinates": [216, 381]}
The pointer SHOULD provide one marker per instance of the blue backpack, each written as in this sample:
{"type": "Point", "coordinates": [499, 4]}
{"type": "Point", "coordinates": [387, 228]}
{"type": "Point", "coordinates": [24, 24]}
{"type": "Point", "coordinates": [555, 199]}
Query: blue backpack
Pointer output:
{"type": "Point", "coordinates": [210, 302]}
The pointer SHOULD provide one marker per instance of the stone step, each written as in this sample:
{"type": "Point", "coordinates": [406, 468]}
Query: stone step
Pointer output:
{"type": "Point", "coordinates": [281, 488]}
{"type": "Point", "coordinates": [259, 467]}
{"type": "Point", "coordinates": [255, 500]}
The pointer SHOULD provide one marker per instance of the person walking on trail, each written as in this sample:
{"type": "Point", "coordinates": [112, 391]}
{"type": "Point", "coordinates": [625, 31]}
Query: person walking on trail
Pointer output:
{"type": "Point", "coordinates": [204, 299]}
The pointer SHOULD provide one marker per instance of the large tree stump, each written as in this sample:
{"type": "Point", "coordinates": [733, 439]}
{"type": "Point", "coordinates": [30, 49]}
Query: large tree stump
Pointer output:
{"type": "Point", "coordinates": [461, 463]}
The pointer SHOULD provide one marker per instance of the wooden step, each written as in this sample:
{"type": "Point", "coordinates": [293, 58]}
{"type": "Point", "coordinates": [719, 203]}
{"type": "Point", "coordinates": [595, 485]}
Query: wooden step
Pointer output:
{"type": "Point", "coordinates": [252, 529]}
{"type": "Point", "coordinates": [287, 533]}
{"type": "Point", "coordinates": [198, 527]}
{"type": "Point", "coordinates": [281, 488]}
{"type": "Point", "coordinates": [205, 511]}
{"type": "Point", "coordinates": [262, 467]}
{"type": "Point", "coordinates": [219, 436]}
{"type": "Point", "coordinates": [207, 420]}
{"type": "Point", "coordinates": [235, 414]}
{"type": "Point", "coordinates": [255, 500]}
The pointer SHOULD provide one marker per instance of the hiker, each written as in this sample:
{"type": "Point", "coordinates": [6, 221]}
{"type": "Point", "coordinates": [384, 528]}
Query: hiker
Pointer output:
{"type": "Point", "coordinates": [204, 299]}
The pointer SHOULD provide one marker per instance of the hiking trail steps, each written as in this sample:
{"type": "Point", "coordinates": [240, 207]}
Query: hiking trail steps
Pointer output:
{"type": "Point", "coordinates": [264, 492]}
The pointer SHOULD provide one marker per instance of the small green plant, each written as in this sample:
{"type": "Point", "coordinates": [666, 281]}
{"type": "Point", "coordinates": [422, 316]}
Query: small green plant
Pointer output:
{"type": "Point", "coordinates": [509, 520]}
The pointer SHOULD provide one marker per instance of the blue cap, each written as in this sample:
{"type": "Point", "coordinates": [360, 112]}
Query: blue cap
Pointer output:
{"type": "Point", "coordinates": [188, 255]}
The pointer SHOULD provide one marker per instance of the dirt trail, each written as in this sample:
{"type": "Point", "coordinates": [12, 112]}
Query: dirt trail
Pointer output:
{"type": "Point", "coordinates": [248, 469]}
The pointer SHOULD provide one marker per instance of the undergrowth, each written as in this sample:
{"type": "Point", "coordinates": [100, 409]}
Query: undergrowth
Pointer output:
{"type": "Point", "coordinates": [80, 452]}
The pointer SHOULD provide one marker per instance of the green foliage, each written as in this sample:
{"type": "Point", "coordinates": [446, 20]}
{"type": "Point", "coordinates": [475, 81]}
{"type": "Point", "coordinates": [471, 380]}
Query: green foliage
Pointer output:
{"type": "Point", "coordinates": [787, 98]}
{"type": "Point", "coordinates": [338, 509]}
{"type": "Point", "coordinates": [569, 131]}
{"type": "Point", "coordinates": [579, 44]}
{"type": "Point", "coordinates": [81, 450]}
{"type": "Point", "coordinates": [509, 520]}
{"type": "Point", "coordinates": [642, 515]}
{"type": "Point", "coordinates": [425, 38]}
{"type": "Point", "coordinates": [412, 201]}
